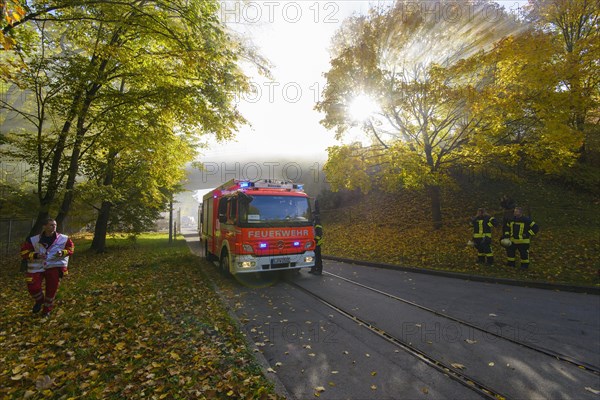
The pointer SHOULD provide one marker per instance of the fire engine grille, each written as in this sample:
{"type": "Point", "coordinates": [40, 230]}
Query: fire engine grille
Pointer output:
{"type": "Point", "coordinates": [282, 248]}
{"type": "Point", "coordinates": [277, 266]}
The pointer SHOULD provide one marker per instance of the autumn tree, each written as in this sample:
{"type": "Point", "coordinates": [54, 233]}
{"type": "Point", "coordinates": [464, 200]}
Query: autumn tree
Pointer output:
{"type": "Point", "coordinates": [573, 28]}
{"type": "Point", "coordinates": [132, 175]}
{"type": "Point", "coordinates": [420, 119]}
{"type": "Point", "coordinates": [541, 100]}
{"type": "Point", "coordinates": [30, 104]}
{"type": "Point", "coordinates": [11, 13]}
{"type": "Point", "coordinates": [526, 111]}
{"type": "Point", "coordinates": [172, 57]}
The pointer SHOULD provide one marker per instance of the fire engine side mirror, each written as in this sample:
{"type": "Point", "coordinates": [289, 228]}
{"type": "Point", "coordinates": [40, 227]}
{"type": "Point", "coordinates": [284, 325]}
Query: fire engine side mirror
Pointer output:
{"type": "Point", "coordinates": [222, 218]}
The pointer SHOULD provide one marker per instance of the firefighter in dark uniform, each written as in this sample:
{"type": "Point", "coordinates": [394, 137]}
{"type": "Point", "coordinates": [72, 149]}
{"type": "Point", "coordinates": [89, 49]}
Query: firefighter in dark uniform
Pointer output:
{"type": "Point", "coordinates": [519, 230]}
{"type": "Point", "coordinates": [483, 224]}
{"type": "Point", "coordinates": [318, 268]}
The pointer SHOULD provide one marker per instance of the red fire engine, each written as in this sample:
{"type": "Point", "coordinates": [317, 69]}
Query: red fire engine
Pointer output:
{"type": "Point", "coordinates": [252, 226]}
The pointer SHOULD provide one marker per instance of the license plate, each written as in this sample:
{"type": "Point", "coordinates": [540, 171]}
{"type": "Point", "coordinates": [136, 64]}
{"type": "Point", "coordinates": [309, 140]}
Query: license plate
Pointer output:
{"type": "Point", "coordinates": [280, 260]}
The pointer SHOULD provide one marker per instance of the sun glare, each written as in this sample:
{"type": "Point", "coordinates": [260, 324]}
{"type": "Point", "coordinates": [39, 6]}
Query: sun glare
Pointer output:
{"type": "Point", "coordinates": [362, 107]}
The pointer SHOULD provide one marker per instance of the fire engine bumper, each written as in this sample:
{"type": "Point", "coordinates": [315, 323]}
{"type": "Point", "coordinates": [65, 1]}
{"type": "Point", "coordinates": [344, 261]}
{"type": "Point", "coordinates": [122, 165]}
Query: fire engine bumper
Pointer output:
{"type": "Point", "coordinates": [249, 263]}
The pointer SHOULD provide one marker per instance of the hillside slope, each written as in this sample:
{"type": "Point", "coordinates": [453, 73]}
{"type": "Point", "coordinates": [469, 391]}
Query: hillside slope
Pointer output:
{"type": "Point", "coordinates": [396, 228]}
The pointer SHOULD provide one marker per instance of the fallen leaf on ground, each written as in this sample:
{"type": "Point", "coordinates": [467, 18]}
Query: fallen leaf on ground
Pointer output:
{"type": "Point", "coordinates": [44, 382]}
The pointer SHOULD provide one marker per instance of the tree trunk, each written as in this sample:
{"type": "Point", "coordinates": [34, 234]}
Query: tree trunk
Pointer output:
{"type": "Point", "coordinates": [171, 220]}
{"type": "Point", "coordinates": [101, 228]}
{"type": "Point", "coordinates": [54, 178]}
{"type": "Point", "coordinates": [74, 164]}
{"type": "Point", "coordinates": [39, 222]}
{"type": "Point", "coordinates": [90, 96]}
{"type": "Point", "coordinates": [436, 205]}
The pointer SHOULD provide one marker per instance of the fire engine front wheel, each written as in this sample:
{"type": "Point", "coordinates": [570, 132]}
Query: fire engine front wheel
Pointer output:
{"type": "Point", "coordinates": [224, 263]}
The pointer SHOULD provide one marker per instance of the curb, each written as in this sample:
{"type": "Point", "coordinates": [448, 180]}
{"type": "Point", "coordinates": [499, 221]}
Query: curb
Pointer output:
{"type": "Point", "coordinates": [476, 278]}
{"type": "Point", "coordinates": [279, 387]}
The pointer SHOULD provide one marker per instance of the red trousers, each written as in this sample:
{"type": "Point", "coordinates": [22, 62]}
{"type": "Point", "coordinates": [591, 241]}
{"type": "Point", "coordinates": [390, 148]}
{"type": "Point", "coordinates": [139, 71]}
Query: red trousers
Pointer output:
{"type": "Point", "coordinates": [34, 286]}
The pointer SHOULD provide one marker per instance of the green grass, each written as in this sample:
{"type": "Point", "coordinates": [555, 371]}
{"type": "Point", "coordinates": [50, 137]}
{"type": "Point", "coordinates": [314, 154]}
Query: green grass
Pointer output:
{"type": "Point", "coordinates": [140, 321]}
{"type": "Point", "coordinates": [396, 229]}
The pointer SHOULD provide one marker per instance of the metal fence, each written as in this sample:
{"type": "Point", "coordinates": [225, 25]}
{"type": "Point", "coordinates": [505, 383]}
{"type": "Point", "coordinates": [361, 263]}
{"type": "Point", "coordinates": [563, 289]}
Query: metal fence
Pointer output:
{"type": "Point", "coordinates": [12, 233]}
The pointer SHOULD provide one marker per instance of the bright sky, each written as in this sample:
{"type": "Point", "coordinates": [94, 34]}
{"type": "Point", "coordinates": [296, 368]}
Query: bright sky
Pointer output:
{"type": "Point", "coordinates": [295, 36]}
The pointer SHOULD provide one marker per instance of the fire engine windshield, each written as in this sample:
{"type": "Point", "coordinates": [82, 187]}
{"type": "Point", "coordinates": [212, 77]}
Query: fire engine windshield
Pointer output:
{"type": "Point", "coordinates": [275, 211]}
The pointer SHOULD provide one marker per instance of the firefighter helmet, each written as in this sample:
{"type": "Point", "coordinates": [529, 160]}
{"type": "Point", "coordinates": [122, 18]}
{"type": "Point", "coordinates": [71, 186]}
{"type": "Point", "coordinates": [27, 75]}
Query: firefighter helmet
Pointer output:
{"type": "Point", "coordinates": [506, 242]}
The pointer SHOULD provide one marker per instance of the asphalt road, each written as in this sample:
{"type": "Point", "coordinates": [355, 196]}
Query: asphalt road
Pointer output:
{"type": "Point", "coordinates": [318, 346]}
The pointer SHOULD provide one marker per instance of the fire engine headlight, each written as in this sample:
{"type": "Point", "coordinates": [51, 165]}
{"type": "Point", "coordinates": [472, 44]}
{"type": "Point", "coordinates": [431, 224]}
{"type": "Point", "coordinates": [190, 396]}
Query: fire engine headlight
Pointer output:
{"type": "Point", "coordinates": [308, 259]}
{"type": "Point", "coordinates": [247, 264]}
{"type": "Point", "coordinates": [248, 248]}
{"type": "Point", "coordinates": [308, 244]}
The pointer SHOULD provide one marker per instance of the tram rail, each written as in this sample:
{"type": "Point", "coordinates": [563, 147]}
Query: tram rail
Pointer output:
{"type": "Point", "coordinates": [483, 389]}
{"type": "Point", "coordinates": [559, 356]}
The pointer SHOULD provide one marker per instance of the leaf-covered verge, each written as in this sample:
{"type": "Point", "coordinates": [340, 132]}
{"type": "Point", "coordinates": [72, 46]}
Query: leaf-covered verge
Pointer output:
{"type": "Point", "coordinates": [141, 321]}
{"type": "Point", "coordinates": [396, 229]}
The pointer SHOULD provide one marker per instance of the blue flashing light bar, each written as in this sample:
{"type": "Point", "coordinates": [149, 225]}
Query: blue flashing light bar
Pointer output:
{"type": "Point", "coordinates": [270, 184]}
{"type": "Point", "coordinates": [262, 245]}
{"type": "Point", "coordinates": [296, 244]}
